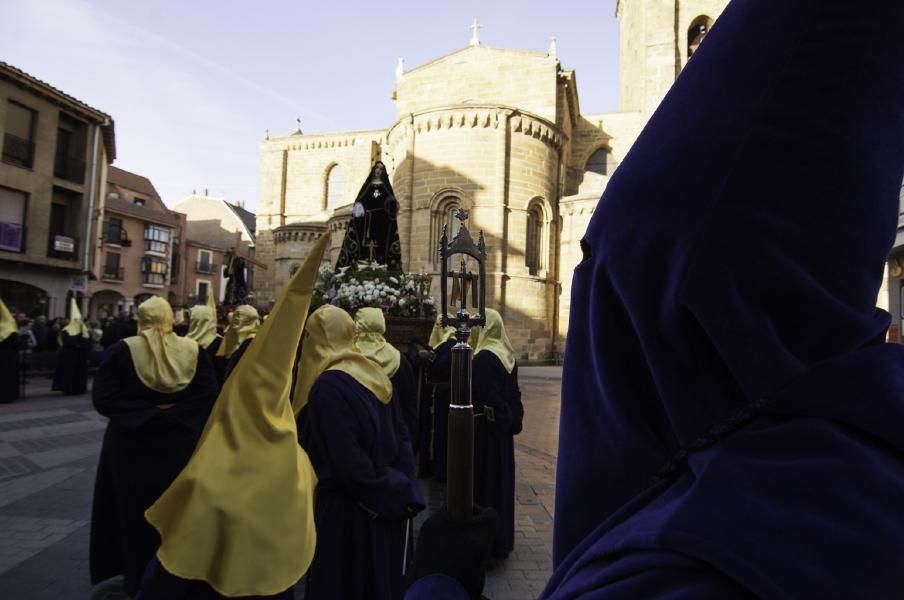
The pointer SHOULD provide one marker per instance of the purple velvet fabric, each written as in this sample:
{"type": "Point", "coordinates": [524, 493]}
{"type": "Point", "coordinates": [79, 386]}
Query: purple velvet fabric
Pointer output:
{"type": "Point", "coordinates": [727, 393]}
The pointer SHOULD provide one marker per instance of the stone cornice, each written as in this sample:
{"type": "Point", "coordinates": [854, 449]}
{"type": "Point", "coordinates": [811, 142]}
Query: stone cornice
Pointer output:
{"type": "Point", "coordinates": [473, 116]}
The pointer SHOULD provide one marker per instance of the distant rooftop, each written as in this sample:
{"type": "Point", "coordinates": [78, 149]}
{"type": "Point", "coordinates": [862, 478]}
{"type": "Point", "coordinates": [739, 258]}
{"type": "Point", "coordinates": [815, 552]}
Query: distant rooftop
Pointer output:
{"type": "Point", "coordinates": [132, 181]}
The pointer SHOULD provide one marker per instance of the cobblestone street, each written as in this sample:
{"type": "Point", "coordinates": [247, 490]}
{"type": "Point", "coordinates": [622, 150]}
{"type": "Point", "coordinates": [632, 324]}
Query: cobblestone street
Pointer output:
{"type": "Point", "coordinates": [48, 456]}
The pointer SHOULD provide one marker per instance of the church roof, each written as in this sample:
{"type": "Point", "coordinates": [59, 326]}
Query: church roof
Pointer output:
{"type": "Point", "coordinates": [480, 48]}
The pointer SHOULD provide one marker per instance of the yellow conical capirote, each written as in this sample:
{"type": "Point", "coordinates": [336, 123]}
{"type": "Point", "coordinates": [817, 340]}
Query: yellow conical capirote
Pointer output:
{"type": "Point", "coordinates": [370, 325]}
{"type": "Point", "coordinates": [76, 326]}
{"type": "Point", "coordinates": [329, 345]}
{"type": "Point", "coordinates": [491, 337]}
{"type": "Point", "coordinates": [240, 516]}
{"type": "Point", "coordinates": [8, 325]}
{"type": "Point", "coordinates": [163, 361]}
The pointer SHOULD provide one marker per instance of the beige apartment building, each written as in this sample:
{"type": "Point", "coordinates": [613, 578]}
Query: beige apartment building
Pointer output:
{"type": "Point", "coordinates": [215, 226]}
{"type": "Point", "coordinates": [141, 247]}
{"type": "Point", "coordinates": [55, 154]}
{"type": "Point", "coordinates": [500, 132]}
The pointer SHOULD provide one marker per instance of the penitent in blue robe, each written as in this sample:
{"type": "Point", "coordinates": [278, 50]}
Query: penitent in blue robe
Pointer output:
{"type": "Point", "coordinates": [366, 490]}
{"type": "Point", "coordinates": [731, 414]}
{"type": "Point", "coordinates": [497, 402]}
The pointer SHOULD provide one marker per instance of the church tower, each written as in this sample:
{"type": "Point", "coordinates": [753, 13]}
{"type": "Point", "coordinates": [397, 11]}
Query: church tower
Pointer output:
{"type": "Point", "coordinates": [657, 38]}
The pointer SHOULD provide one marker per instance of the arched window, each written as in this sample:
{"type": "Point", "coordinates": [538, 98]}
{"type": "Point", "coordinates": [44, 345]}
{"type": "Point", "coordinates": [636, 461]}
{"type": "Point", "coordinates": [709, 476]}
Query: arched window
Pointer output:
{"type": "Point", "coordinates": [598, 162]}
{"type": "Point", "coordinates": [443, 214]}
{"type": "Point", "coordinates": [335, 188]}
{"type": "Point", "coordinates": [696, 32]}
{"type": "Point", "coordinates": [534, 239]}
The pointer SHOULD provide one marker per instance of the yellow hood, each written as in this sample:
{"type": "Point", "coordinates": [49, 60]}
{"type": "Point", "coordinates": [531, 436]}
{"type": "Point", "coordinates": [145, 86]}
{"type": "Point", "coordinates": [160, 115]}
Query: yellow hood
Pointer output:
{"type": "Point", "coordinates": [8, 325]}
{"type": "Point", "coordinates": [440, 334]}
{"type": "Point", "coordinates": [370, 325]}
{"type": "Point", "coordinates": [492, 337]}
{"type": "Point", "coordinates": [329, 344]}
{"type": "Point", "coordinates": [240, 515]}
{"type": "Point", "coordinates": [243, 324]}
{"type": "Point", "coordinates": [163, 361]}
{"type": "Point", "coordinates": [202, 326]}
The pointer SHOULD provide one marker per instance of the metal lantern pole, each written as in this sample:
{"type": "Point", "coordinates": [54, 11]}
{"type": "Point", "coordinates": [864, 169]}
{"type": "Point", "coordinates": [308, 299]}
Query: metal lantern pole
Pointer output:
{"type": "Point", "coordinates": [460, 449]}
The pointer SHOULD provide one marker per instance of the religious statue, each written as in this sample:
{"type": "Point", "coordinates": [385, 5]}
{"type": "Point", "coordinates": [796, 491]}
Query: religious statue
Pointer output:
{"type": "Point", "coordinates": [373, 233]}
{"type": "Point", "coordinates": [234, 272]}
{"type": "Point", "coordinates": [696, 38]}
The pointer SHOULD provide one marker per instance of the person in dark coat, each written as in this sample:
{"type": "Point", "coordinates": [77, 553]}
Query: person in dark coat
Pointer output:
{"type": "Point", "coordinates": [157, 390]}
{"type": "Point", "coordinates": [370, 326]}
{"type": "Point", "coordinates": [497, 402]}
{"type": "Point", "coordinates": [243, 326]}
{"type": "Point", "coordinates": [71, 375]}
{"type": "Point", "coordinates": [353, 430]}
{"type": "Point", "coordinates": [39, 329]}
{"type": "Point", "coordinates": [9, 356]}
{"type": "Point", "coordinates": [435, 417]}
{"type": "Point", "coordinates": [731, 411]}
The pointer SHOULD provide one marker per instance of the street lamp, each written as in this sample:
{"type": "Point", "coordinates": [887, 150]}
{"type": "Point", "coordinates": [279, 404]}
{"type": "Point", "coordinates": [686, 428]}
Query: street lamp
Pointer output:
{"type": "Point", "coordinates": [460, 449]}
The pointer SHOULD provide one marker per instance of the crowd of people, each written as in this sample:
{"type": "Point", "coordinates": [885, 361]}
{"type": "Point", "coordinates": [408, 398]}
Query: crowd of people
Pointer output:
{"type": "Point", "coordinates": [186, 412]}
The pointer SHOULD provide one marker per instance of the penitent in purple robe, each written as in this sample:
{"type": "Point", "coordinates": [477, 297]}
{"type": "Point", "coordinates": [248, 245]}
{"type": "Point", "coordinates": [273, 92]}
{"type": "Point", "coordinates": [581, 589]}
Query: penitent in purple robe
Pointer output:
{"type": "Point", "coordinates": [497, 401]}
{"type": "Point", "coordinates": [149, 439]}
{"type": "Point", "coordinates": [731, 413]}
{"type": "Point", "coordinates": [366, 490]}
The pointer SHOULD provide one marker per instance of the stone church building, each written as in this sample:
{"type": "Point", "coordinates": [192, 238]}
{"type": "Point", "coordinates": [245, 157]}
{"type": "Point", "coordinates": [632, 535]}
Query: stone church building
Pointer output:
{"type": "Point", "coordinates": [499, 132]}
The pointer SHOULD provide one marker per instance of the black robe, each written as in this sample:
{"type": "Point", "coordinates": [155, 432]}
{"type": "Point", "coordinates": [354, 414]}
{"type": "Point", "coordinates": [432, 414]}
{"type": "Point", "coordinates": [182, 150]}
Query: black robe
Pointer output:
{"type": "Point", "coordinates": [71, 376]}
{"type": "Point", "coordinates": [405, 388]}
{"type": "Point", "coordinates": [233, 361]}
{"type": "Point", "coordinates": [435, 419]}
{"type": "Point", "coordinates": [145, 447]}
{"type": "Point", "coordinates": [365, 491]}
{"type": "Point", "coordinates": [9, 368]}
{"type": "Point", "coordinates": [497, 402]}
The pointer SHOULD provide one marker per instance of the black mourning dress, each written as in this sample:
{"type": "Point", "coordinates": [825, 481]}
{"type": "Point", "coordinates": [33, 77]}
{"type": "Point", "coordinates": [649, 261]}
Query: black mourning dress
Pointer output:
{"type": "Point", "coordinates": [373, 232]}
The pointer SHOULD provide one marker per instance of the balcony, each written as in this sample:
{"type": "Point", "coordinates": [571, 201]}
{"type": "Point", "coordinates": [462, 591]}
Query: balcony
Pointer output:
{"type": "Point", "coordinates": [68, 167]}
{"type": "Point", "coordinates": [18, 151]}
{"type": "Point", "coordinates": [113, 273]}
{"type": "Point", "coordinates": [118, 238]}
{"type": "Point", "coordinates": [205, 268]}
{"type": "Point", "coordinates": [62, 247]}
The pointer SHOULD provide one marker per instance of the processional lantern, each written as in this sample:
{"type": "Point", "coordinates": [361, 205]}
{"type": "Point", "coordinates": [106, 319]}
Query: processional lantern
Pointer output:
{"type": "Point", "coordinates": [466, 285]}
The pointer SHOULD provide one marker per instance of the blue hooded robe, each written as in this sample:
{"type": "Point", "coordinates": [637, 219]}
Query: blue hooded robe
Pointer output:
{"type": "Point", "coordinates": [731, 414]}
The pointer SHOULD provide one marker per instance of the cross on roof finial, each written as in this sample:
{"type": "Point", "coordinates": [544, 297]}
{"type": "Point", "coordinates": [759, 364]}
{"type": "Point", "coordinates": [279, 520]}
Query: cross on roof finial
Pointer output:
{"type": "Point", "coordinates": [298, 125]}
{"type": "Point", "coordinates": [475, 26]}
{"type": "Point", "coordinates": [461, 214]}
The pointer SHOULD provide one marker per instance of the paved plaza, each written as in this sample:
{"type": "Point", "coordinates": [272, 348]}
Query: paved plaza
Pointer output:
{"type": "Point", "coordinates": [48, 455]}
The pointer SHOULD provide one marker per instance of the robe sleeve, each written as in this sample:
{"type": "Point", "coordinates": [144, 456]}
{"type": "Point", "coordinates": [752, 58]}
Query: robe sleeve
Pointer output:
{"type": "Point", "coordinates": [436, 587]}
{"type": "Point", "coordinates": [404, 383]}
{"type": "Point", "coordinates": [331, 425]}
{"type": "Point", "coordinates": [513, 397]}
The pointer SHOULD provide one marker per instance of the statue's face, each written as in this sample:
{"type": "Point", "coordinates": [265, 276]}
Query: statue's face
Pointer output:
{"type": "Point", "coordinates": [379, 169]}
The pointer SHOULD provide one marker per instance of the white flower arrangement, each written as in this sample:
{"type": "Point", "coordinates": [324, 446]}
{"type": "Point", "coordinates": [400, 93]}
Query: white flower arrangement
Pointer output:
{"type": "Point", "coordinates": [371, 285]}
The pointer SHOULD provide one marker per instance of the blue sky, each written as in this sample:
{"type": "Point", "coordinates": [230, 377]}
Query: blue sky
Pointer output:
{"type": "Point", "coordinates": [192, 85]}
